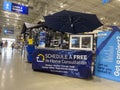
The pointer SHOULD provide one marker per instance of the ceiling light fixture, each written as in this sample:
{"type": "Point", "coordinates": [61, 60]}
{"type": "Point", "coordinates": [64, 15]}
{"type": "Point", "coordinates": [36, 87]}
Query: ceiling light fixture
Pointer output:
{"type": "Point", "coordinates": [102, 18]}
{"type": "Point", "coordinates": [62, 5]}
{"type": "Point", "coordinates": [115, 23]}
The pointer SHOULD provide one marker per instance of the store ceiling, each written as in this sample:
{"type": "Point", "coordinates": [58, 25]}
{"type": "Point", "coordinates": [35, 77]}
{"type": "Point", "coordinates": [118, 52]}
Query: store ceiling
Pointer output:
{"type": "Point", "coordinates": [109, 13]}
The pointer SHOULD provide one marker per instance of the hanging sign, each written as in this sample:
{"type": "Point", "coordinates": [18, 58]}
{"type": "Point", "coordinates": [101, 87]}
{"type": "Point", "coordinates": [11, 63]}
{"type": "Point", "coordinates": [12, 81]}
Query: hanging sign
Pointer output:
{"type": "Point", "coordinates": [7, 6]}
{"type": "Point", "coordinates": [105, 1]}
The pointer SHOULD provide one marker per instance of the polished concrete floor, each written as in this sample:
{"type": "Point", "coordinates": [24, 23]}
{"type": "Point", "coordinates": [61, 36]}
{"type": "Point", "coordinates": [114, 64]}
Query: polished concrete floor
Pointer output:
{"type": "Point", "coordinates": [17, 74]}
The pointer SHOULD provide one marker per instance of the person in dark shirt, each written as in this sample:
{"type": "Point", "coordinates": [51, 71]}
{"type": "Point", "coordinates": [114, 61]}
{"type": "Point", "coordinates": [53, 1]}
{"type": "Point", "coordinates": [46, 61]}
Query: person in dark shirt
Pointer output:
{"type": "Point", "coordinates": [12, 45]}
{"type": "Point", "coordinates": [1, 44]}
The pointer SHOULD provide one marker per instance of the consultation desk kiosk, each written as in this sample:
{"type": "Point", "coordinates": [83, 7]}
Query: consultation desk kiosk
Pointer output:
{"type": "Point", "coordinates": [73, 63]}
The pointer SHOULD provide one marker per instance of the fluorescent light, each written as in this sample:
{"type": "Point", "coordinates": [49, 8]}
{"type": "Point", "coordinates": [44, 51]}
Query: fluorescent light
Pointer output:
{"type": "Point", "coordinates": [8, 39]}
{"type": "Point", "coordinates": [61, 6]}
{"type": "Point", "coordinates": [115, 23]}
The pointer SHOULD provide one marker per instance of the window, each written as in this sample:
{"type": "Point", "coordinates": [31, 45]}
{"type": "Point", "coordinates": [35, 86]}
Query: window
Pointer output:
{"type": "Point", "coordinates": [81, 42]}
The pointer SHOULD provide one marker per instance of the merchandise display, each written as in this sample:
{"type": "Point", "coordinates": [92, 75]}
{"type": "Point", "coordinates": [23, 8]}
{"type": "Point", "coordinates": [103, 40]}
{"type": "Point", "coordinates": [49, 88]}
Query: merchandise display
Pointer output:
{"type": "Point", "coordinates": [59, 44]}
{"type": "Point", "coordinates": [63, 53]}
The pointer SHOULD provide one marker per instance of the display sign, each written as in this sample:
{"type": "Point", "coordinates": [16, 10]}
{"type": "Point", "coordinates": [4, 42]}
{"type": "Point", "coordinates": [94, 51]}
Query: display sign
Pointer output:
{"type": "Point", "coordinates": [13, 7]}
{"type": "Point", "coordinates": [72, 63]}
{"type": "Point", "coordinates": [108, 60]}
{"type": "Point", "coordinates": [42, 39]}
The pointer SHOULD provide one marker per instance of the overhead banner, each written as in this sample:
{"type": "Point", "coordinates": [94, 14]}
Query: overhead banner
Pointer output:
{"type": "Point", "coordinates": [108, 60]}
{"type": "Point", "coordinates": [72, 63]}
{"type": "Point", "coordinates": [8, 30]}
{"type": "Point", "coordinates": [13, 7]}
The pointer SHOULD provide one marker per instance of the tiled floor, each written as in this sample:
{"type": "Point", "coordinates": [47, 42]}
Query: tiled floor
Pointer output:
{"type": "Point", "coordinates": [16, 74]}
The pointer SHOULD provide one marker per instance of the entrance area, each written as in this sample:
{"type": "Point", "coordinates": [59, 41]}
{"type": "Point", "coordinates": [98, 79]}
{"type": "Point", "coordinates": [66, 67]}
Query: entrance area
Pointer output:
{"type": "Point", "coordinates": [7, 42]}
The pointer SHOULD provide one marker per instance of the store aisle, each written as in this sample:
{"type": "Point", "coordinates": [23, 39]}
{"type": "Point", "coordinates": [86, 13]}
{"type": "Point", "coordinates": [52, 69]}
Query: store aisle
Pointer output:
{"type": "Point", "coordinates": [17, 74]}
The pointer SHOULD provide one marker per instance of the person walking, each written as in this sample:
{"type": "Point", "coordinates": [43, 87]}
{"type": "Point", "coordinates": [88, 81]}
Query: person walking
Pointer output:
{"type": "Point", "coordinates": [12, 46]}
{"type": "Point", "coordinates": [6, 43]}
{"type": "Point", "coordinates": [1, 46]}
